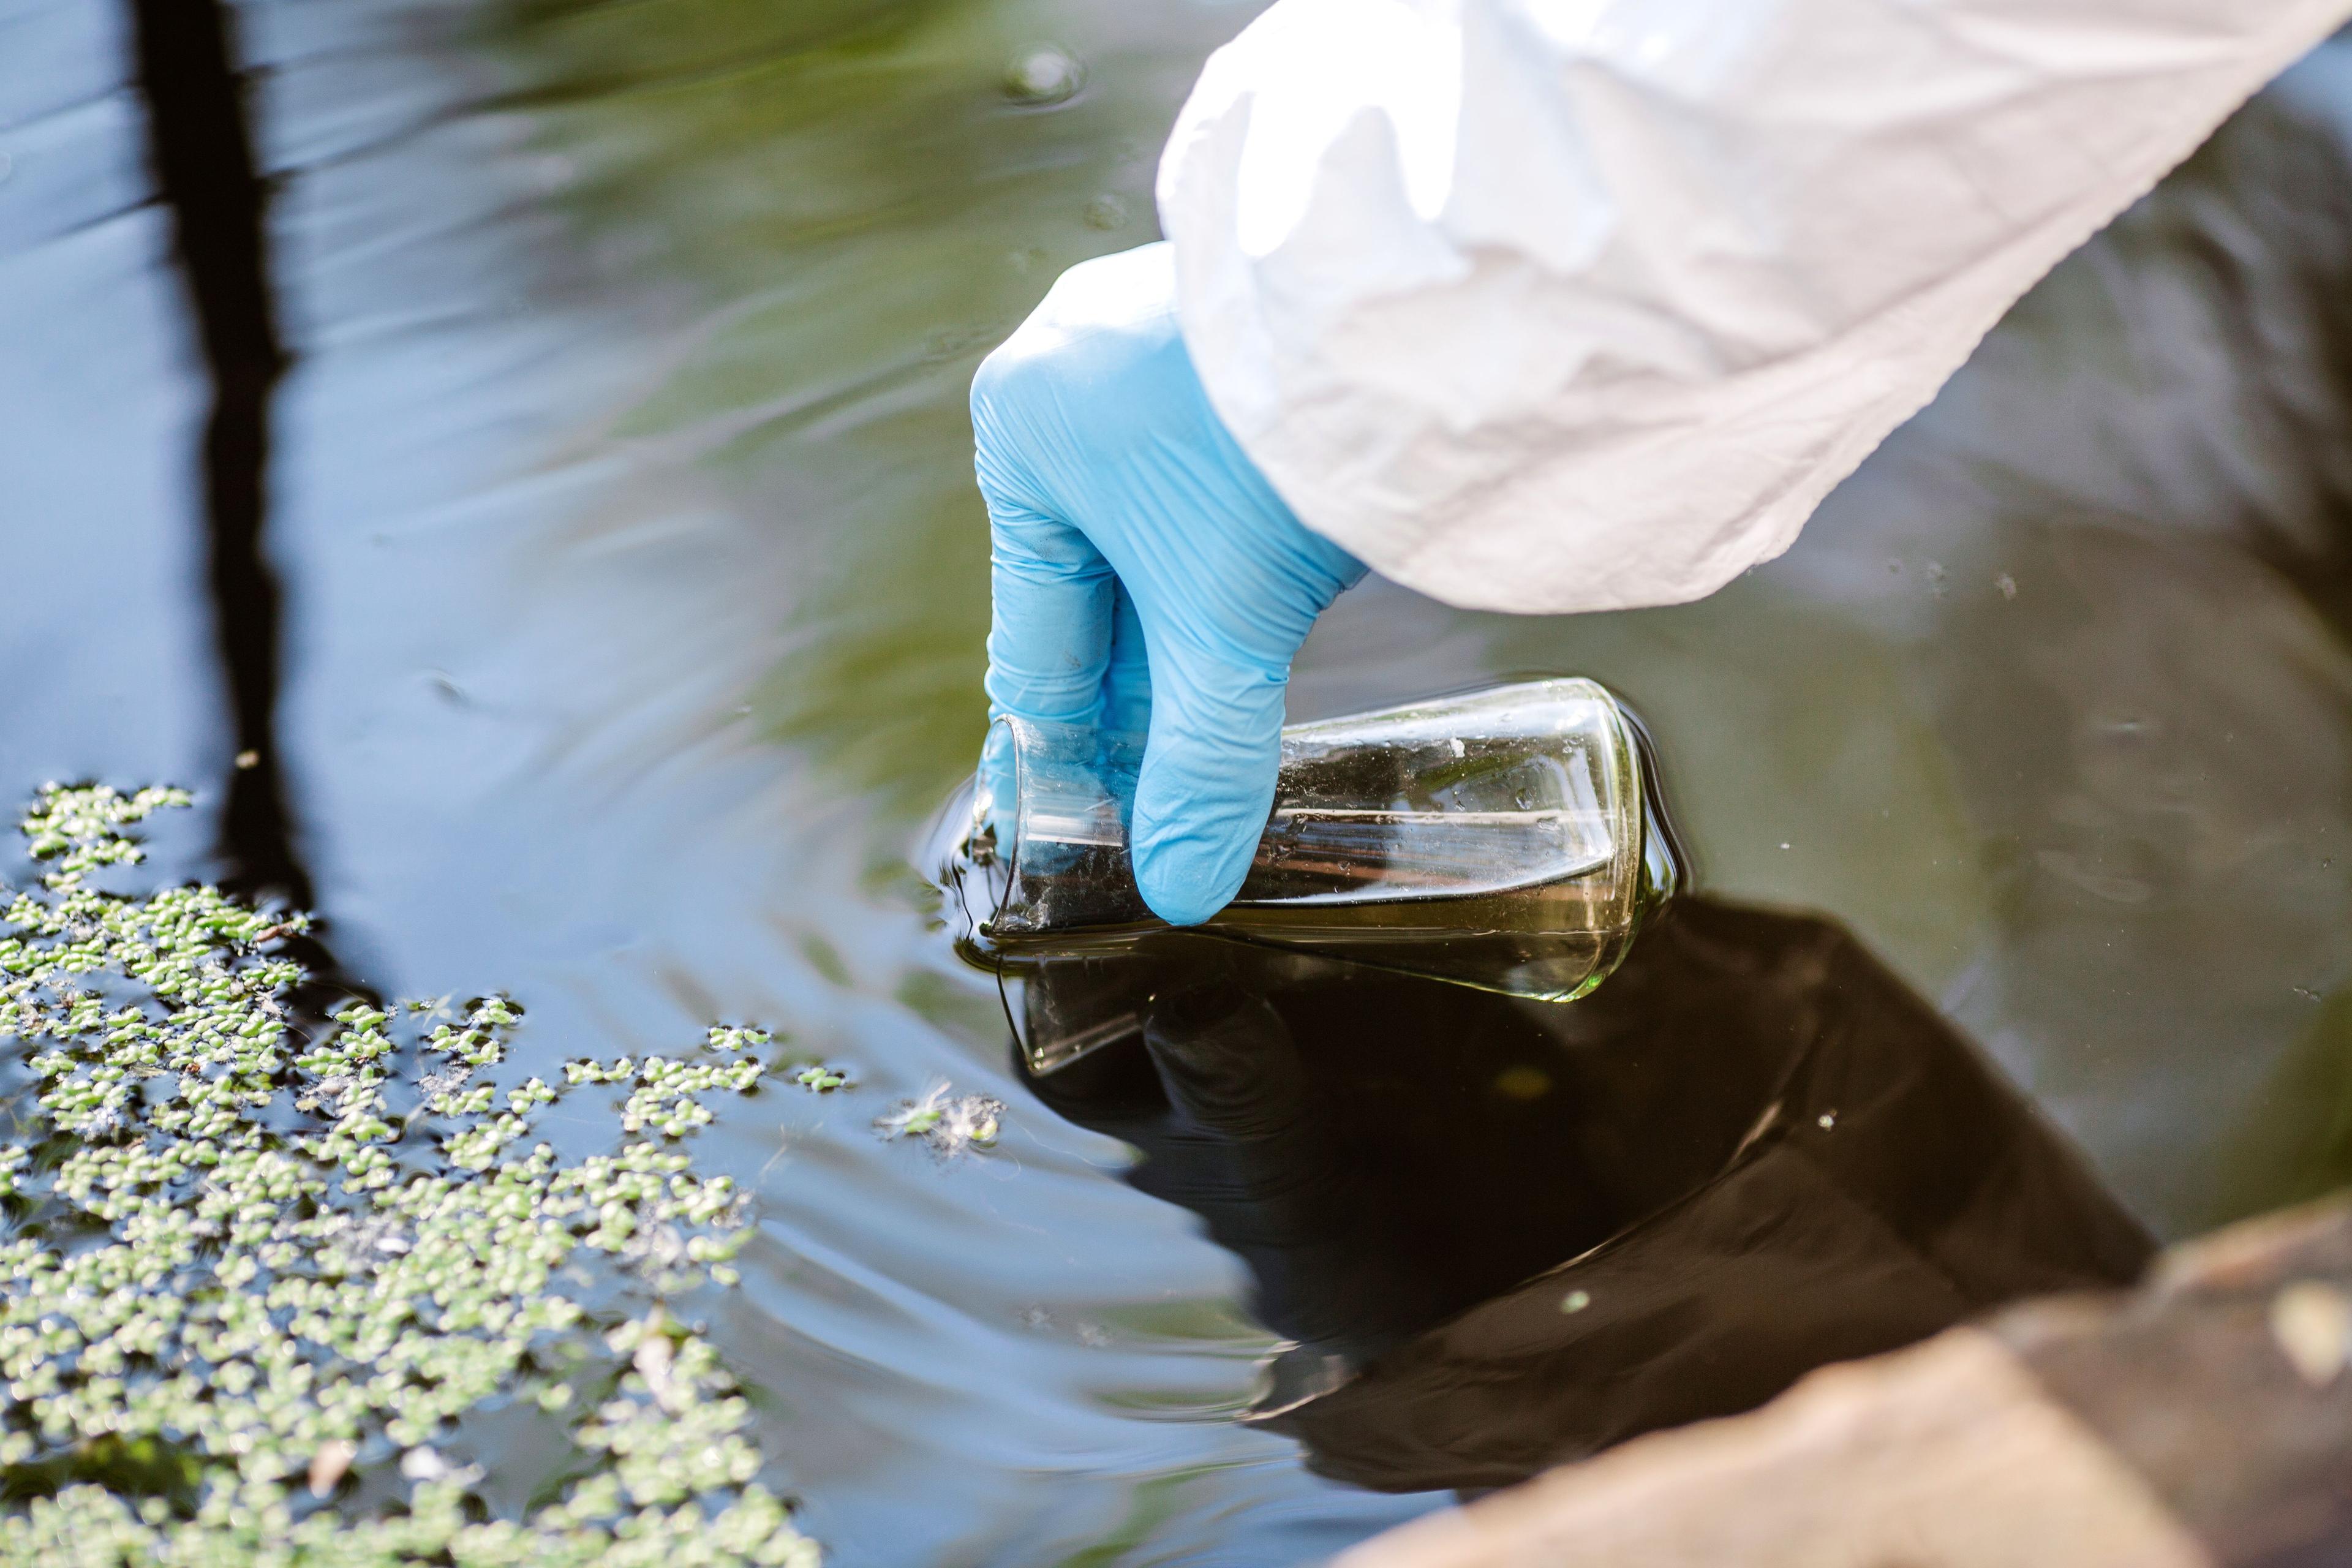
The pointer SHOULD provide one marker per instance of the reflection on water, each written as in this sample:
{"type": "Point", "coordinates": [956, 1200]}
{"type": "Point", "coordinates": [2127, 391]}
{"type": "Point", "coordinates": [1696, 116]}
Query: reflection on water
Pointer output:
{"type": "Point", "coordinates": [633, 587]}
{"type": "Point", "coordinates": [1502, 1235]}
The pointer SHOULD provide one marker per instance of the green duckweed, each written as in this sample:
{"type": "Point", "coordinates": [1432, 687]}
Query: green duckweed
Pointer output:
{"type": "Point", "coordinates": [257, 1270]}
{"type": "Point", "coordinates": [950, 1124]}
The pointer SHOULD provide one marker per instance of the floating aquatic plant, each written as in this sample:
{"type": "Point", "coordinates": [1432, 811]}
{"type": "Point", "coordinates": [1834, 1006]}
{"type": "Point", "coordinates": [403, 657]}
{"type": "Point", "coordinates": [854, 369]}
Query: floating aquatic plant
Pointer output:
{"type": "Point", "coordinates": [948, 1123]}
{"type": "Point", "coordinates": [256, 1272]}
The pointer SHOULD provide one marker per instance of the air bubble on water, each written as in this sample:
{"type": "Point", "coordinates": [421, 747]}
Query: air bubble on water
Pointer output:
{"type": "Point", "coordinates": [1042, 76]}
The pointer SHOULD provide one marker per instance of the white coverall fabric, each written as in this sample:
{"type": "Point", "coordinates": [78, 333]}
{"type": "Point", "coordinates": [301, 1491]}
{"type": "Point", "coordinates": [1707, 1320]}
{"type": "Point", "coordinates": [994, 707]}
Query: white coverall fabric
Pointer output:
{"type": "Point", "coordinates": [1549, 305]}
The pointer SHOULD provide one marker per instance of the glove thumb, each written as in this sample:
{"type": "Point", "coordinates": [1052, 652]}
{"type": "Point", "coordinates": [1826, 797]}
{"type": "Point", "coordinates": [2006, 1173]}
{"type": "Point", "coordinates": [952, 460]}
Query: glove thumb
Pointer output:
{"type": "Point", "coordinates": [1207, 783]}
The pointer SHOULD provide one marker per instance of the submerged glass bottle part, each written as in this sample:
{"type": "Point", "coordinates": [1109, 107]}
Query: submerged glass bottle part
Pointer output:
{"type": "Point", "coordinates": [1504, 840]}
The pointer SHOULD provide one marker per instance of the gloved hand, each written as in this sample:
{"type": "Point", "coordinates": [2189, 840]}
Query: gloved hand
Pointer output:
{"type": "Point", "coordinates": [1146, 575]}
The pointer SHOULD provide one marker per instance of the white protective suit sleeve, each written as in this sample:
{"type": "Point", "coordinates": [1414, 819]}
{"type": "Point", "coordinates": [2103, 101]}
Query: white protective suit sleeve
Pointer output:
{"type": "Point", "coordinates": [1548, 305]}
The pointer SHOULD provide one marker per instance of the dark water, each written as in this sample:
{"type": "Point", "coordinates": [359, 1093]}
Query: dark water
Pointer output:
{"type": "Point", "coordinates": [632, 590]}
{"type": "Point", "coordinates": [1500, 1234]}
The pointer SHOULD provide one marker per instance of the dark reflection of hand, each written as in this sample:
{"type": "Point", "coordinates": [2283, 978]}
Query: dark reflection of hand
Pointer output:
{"type": "Point", "coordinates": [1278, 1181]}
{"type": "Point", "coordinates": [1373, 1179]}
{"type": "Point", "coordinates": [1505, 1234]}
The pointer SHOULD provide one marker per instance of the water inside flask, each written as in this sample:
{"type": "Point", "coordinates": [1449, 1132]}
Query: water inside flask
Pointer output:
{"type": "Point", "coordinates": [1505, 840]}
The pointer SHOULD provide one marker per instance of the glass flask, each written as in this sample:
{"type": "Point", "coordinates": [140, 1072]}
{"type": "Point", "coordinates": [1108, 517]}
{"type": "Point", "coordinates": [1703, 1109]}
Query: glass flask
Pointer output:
{"type": "Point", "coordinates": [1503, 839]}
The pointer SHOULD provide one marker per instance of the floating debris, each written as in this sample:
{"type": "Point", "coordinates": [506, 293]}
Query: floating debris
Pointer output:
{"type": "Point", "coordinates": [950, 1125]}
{"type": "Point", "coordinates": [224, 1258]}
{"type": "Point", "coordinates": [330, 1464]}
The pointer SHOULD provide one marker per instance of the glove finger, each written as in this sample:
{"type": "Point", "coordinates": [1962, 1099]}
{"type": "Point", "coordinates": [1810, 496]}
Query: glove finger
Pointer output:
{"type": "Point", "coordinates": [1207, 785]}
{"type": "Point", "coordinates": [1126, 683]}
{"type": "Point", "coordinates": [1049, 634]}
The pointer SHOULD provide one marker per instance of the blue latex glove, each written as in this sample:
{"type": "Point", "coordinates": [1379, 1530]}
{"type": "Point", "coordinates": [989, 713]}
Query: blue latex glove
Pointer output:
{"type": "Point", "coordinates": [1146, 575]}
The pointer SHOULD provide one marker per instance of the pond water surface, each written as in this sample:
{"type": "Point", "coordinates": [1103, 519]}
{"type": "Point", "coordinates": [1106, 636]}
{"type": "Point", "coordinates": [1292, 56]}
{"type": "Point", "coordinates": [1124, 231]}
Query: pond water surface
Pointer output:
{"type": "Point", "coordinates": [632, 591]}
